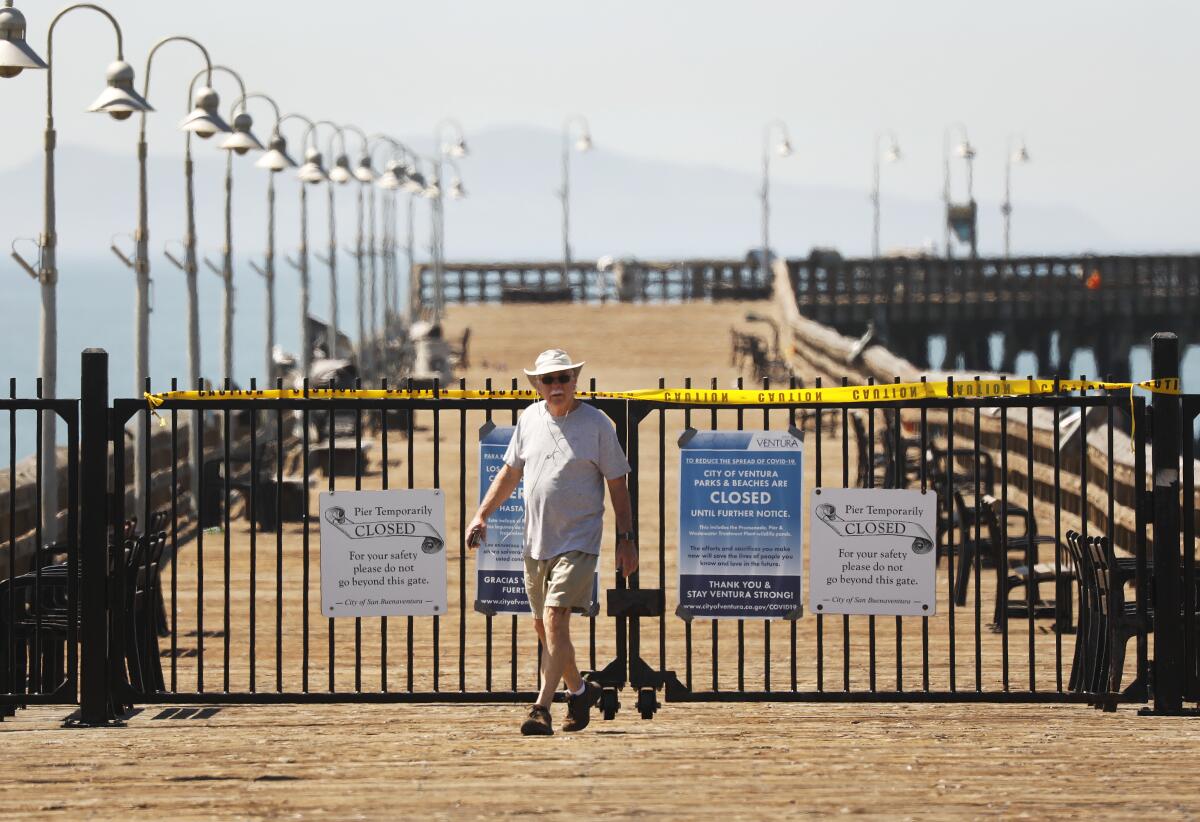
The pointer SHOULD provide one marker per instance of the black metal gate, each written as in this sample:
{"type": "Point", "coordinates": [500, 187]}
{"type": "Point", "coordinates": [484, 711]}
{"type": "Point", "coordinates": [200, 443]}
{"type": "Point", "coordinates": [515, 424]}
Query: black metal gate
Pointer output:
{"type": "Point", "coordinates": [223, 613]}
{"type": "Point", "coordinates": [1030, 649]}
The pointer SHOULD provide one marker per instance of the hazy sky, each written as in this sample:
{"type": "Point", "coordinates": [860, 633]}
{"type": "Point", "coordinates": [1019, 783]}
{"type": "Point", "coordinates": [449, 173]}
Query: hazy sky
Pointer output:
{"type": "Point", "coordinates": [1102, 90]}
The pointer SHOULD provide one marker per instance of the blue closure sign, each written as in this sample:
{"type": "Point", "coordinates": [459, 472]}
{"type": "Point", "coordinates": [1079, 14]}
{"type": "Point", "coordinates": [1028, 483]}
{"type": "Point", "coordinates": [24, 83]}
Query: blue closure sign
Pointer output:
{"type": "Point", "coordinates": [500, 566]}
{"type": "Point", "coordinates": [740, 524]}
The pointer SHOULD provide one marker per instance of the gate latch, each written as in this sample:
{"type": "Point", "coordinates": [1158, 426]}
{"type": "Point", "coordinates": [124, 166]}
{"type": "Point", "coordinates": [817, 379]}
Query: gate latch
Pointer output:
{"type": "Point", "coordinates": [635, 602]}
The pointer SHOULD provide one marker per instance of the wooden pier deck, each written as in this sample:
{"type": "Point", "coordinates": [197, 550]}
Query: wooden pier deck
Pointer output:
{"type": "Point", "coordinates": [737, 761]}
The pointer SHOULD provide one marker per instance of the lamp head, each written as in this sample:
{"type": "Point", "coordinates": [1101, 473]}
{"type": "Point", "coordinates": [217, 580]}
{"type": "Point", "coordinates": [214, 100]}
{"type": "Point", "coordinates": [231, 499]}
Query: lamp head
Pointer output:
{"type": "Point", "coordinates": [414, 182]}
{"type": "Point", "coordinates": [15, 53]}
{"type": "Point", "coordinates": [1021, 155]}
{"type": "Point", "coordinates": [966, 150]}
{"type": "Point", "coordinates": [312, 171]}
{"type": "Point", "coordinates": [584, 143]}
{"type": "Point", "coordinates": [119, 100]}
{"type": "Point", "coordinates": [457, 191]}
{"type": "Point", "coordinates": [893, 154]}
{"type": "Point", "coordinates": [784, 148]}
{"type": "Point", "coordinates": [392, 176]}
{"type": "Point", "coordinates": [459, 149]}
{"type": "Point", "coordinates": [242, 139]}
{"type": "Point", "coordinates": [363, 171]}
{"type": "Point", "coordinates": [432, 191]}
{"type": "Point", "coordinates": [340, 173]}
{"type": "Point", "coordinates": [276, 157]}
{"type": "Point", "coordinates": [205, 120]}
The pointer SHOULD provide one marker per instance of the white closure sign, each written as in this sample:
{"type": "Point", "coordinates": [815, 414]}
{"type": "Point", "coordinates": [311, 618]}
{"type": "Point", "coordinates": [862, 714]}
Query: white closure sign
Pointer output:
{"type": "Point", "coordinates": [872, 552]}
{"type": "Point", "coordinates": [383, 553]}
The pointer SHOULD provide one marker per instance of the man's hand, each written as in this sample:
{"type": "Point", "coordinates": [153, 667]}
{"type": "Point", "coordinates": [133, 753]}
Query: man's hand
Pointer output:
{"type": "Point", "coordinates": [476, 532]}
{"type": "Point", "coordinates": [627, 557]}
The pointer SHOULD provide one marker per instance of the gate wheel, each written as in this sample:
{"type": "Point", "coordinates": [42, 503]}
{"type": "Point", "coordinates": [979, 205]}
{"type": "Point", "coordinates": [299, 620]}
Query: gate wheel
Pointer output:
{"type": "Point", "coordinates": [609, 705]}
{"type": "Point", "coordinates": [647, 703]}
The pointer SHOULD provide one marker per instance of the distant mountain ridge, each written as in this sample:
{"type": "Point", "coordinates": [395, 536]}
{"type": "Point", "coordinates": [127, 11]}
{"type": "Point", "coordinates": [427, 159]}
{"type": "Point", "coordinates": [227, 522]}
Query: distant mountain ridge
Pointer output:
{"type": "Point", "coordinates": [621, 205]}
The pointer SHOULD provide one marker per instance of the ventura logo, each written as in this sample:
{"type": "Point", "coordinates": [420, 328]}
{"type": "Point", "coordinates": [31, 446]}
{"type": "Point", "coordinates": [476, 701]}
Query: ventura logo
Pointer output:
{"type": "Point", "coordinates": [775, 443]}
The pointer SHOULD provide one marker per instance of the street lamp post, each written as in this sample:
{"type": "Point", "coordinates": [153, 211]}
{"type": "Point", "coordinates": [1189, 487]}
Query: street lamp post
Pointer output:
{"type": "Point", "coordinates": [450, 141]}
{"type": "Point", "coordinates": [203, 120]}
{"type": "Point", "coordinates": [783, 148]}
{"type": "Point", "coordinates": [119, 100]}
{"type": "Point", "coordinates": [414, 185]}
{"type": "Point", "coordinates": [365, 174]}
{"type": "Point", "coordinates": [582, 143]}
{"type": "Point", "coordinates": [341, 174]}
{"type": "Point", "coordinates": [275, 159]}
{"type": "Point", "coordinates": [312, 172]}
{"type": "Point", "coordinates": [892, 155]}
{"type": "Point", "coordinates": [239, 142]}
{"type": "Point", "coordinates": [966, 151]}
{"type": "Point", "coordinates": [1018, 155]}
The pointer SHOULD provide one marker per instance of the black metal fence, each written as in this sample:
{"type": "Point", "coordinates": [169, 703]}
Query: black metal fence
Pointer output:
{"type": "Point", "coordinates": [39, 576]}
{"type": "Point", "coordinates": [1045, 573]}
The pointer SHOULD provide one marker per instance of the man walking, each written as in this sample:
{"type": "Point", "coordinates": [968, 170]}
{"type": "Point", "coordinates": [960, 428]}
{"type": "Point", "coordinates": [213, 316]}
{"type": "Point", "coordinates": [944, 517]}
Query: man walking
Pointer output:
{"type": "Point", "coordinates": [567, 451]}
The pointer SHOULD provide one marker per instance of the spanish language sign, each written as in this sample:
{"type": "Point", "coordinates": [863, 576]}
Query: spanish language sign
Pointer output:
{"type": "Point", "coordinates": [383, 553]}
{"type": "Point", "coordinates": [740, 524]}
{"type": "Point", "coordinates": [871, 551]}
{"type": "Point", "coordinates": [500, 566]}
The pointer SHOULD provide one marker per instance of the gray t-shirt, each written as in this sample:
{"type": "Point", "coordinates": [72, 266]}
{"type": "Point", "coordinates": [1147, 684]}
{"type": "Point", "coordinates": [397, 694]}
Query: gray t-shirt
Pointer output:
{"type": "Point", "coordinates": [565, 461]}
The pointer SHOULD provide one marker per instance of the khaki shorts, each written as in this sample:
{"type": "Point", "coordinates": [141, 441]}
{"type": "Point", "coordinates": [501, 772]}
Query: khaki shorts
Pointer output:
{"type": "Point", "coordinates": [564, 581]}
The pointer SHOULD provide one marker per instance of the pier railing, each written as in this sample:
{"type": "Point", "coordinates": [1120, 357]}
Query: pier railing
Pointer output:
{"type": "Point", "coordinates": [588, 281]}
{"type": "Point", "coordinates": [834, 290]}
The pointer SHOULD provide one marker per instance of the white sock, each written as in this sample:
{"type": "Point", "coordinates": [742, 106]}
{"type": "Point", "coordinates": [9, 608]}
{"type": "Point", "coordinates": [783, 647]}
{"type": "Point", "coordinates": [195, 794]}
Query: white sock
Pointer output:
{"type": "Point", "coordinates": [582, 688]}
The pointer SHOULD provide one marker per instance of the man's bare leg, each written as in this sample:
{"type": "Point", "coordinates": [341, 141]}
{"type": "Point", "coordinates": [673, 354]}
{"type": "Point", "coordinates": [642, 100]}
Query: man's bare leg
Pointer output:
{"type": "Point", "coordinates": [558, 661]}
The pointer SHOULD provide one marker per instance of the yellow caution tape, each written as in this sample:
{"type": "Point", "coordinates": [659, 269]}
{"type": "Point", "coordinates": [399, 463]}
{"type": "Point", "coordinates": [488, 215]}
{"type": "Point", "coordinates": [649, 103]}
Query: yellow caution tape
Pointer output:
{"type": "Point", "coordinates": [831, 395]}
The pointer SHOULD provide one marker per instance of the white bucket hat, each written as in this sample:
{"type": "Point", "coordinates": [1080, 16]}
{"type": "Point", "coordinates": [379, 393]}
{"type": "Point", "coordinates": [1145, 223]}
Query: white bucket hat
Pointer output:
{"type": "Point", "coordinates": [551, 360]}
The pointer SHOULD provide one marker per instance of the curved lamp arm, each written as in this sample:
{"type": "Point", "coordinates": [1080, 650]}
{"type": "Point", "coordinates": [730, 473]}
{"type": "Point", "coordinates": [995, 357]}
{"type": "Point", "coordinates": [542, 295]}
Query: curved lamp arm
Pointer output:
{"type": "Point", "coordinates": [50, 48]}
{"type": "Point", "coordinates": [227, 70]}
{"type": "Point", "coordinates": [309, 125]}
{"type": "Point", "coordinates": [180, 38]}
{"type": "Point", "coordinates": [240, 104]}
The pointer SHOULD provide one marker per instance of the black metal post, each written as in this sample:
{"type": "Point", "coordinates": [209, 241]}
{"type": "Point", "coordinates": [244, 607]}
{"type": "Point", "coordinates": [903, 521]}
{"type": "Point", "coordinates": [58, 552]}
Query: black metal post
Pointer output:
{"type": "Point", "coordinates": [1168, 633]}
{"type": "Point", "coordinates": [94, 702]}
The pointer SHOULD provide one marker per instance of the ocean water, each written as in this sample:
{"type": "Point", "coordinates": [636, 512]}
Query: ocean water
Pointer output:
{"type": "Point", "coordinates": [96, 310]}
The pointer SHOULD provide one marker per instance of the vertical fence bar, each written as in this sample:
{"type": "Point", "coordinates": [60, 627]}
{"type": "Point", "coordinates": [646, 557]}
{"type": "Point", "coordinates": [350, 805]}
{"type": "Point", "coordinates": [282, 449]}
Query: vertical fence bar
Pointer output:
{"type": "Point", "coordinates": [279, 540]}
{"type": "Point", "coordinates": [687, 624]}
{"type": "Point", "coordinates": [488, 617]}
{"type": "Point", "coordinates": [846, 484]}
{"type": "Point", "coordinates": [383, 470]}
{"type": "Point", "coordinates": [1063, 592]}
{"type": "Point", "coordinates": [330, 434]}
{"type": "Point", "coordinates": [358, 472]}
{"type": "Point", "coordinates": [410, 429]}
{"type": "Point", "coordinates": [94, 708]}
{"type": "Point", "coordinates": [437, 483]}
{"type": "Point", "coordinates": [953, 546]}
{"type": "Point", "coordinates": [227, 491]}
{"type": "Point", "coordinates": [174, 625]}
{"type": "Point", "coordinates": [513, 639]}
{"type": "Point", "coordinates": [716, 682]}
{"type": "Point", "coordinates": [253, 523]}
{"type": "Point", "coordinates": [462, 543]}
{"type": "Point", "coordinates": [34, 669]}
{"type": "Point", "coordinates": [1032, 551]}
{"type": "Point", "coordinates": [304, 536]}
{"type": "Point", "coordinates": [871, 484]}
{"type": "Point", "coordinates": [741, 623]}
{"type": "Point", "coordinates": [766, 384]}
{"type": "Point", "coordinates": [1168, 646]}
{"type": "Point", "coordinates": [818, 435]}
{"type": "Point", "coordinates": [924, 490]}
{"type": "Point", "coordinates": [662, 530]}
{"type": "Point", "coordinates": [10, 652]}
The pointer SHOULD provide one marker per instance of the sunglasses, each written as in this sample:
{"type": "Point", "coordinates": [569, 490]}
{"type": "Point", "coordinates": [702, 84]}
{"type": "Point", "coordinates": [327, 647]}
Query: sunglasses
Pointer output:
{"type": "Point", "coordinates": [550, 379]}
